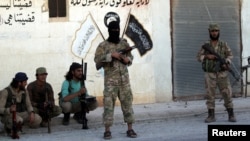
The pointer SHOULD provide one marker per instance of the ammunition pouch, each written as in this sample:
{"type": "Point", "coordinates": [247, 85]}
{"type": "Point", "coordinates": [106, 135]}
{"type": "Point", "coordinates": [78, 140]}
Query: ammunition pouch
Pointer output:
{"type": "Point", "coordinates": [209, 66]}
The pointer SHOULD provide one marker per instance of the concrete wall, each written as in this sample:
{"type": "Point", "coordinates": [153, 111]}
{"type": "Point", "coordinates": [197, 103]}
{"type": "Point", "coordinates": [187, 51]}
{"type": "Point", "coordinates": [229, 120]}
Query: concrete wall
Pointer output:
{"type": "Point", "coordinates": [245, 30]}
{"type": "Point", "coordinates": [47, 42]}
{"type": "Point", "coordinates": [162, 51]}
{"type": "Point", "coordinates": [245, 13]}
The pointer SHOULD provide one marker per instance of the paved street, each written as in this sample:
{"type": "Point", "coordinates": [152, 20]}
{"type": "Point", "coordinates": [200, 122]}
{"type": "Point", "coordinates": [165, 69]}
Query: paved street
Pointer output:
{"type": "Point", "coordinates": [161, 127]}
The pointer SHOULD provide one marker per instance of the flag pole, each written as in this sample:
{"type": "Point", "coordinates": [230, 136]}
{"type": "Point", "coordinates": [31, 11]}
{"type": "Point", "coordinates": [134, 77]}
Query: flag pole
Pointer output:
{"type": "Point", "coordinates": [96, 26]}
{"type": "Point", "coordinates": [126, 25]}
{"type": "Point", "coordinates": [98, 30]}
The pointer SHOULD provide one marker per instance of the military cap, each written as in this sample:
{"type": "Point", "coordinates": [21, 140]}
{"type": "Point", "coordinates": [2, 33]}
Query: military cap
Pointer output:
{"type": "Point", "coordinates": [214, 26]}
{"type": "Point", "coordinates": [41, 70]}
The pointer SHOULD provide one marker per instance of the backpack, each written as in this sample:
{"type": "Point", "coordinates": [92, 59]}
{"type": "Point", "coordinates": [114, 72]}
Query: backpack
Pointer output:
{"type": "Point", "coordinates": [59, 97]}
{"type": "Point", "coordinates": [60, 94]}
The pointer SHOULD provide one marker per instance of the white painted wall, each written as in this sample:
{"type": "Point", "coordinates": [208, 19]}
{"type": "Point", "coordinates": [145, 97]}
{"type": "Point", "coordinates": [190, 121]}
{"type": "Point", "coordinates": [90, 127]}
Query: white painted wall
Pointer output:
{"type": "Point", "coordinates": [245, 14]}
{"type": "Point", "coordinates": [48, 44]}
{"type": "Point", "coordinates": [162, 50]}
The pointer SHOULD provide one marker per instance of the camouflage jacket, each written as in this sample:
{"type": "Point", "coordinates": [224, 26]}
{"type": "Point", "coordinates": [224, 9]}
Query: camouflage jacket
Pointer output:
{"type": "Point", "coordinates": [221, 48]}
{"type": "Point", "coordinates": [116, 73]}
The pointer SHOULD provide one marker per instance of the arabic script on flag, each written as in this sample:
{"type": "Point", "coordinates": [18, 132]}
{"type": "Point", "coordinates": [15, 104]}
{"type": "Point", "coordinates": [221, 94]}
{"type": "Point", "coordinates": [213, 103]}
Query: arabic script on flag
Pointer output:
{"type": "Point", "coordinates": [84, 37]}
{"type": "Point", "coordinates": [138, 35]}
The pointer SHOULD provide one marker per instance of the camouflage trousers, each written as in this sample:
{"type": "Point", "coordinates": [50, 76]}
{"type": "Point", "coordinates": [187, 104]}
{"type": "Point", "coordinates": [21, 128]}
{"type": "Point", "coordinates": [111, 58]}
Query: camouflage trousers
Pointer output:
{"type": "Point", "coordinates": [22, 118]}
{"type": "Point", "coordinates": [125, 97]}
{"type": "Point", "coordinates": [220, 80]}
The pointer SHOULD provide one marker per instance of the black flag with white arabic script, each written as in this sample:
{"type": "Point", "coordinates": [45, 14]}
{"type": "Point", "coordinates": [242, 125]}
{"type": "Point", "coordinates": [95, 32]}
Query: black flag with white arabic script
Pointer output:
{"type": "Point", "coordinates": [138, 35]}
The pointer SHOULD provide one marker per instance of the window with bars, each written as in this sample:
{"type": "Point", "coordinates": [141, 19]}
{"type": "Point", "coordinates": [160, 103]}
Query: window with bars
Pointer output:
{"type": "Point", "coordinates": [57, 8]}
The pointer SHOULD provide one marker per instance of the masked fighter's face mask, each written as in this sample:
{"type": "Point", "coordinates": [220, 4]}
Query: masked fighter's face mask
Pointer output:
{"type": "Point", "coordinates": [114, 32]}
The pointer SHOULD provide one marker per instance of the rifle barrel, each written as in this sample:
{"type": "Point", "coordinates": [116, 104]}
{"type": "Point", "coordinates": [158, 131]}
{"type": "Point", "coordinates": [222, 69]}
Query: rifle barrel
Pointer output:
{"type": "Point", "coordinates": [14, 122]}
{"type": "Point", "coordinates": [221, 61]}
{"type": "Point", "coordinates": [82, 98]}
{"type": "Point", "coordinates": [48, 106]}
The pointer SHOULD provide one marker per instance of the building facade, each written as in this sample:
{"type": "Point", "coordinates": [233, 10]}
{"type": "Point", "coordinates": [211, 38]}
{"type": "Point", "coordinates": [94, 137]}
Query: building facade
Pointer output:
{"type": "Point", "coordinates": [36, 33]}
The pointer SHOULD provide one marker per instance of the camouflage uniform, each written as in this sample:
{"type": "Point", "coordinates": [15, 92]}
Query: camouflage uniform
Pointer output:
{"type": "Point", "coordinates": [116, 81]}
{"type": "Point", "coordinates": [216, 75]}
{"type": "Point", "coordinates": [212, 78]}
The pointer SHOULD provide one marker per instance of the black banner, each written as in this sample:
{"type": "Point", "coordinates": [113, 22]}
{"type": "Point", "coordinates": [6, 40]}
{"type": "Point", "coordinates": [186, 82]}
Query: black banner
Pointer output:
{"type": "Point", "coordinates": [138, 35]}
{"type": "Point", "coordinates": [232, 132]}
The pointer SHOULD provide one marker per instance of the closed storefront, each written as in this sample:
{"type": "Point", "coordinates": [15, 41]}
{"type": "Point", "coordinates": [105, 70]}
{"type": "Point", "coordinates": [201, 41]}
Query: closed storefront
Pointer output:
{"type": "Point", "coordinates": [190, 20]}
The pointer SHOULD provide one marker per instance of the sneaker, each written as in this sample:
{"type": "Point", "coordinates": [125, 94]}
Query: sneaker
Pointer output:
{"type": "Point", "coordinates": [107, 135]}
{"type": "Point", "coordinates": [131, 133]}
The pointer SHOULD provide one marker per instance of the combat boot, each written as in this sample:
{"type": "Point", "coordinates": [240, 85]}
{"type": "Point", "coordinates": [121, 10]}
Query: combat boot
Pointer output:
{"type": "Point", "coordinates": [66, 119]}
{"type": "Point", "coordinates": [211, 117]}
{"type": "Point", "coordinates": [231, 117]}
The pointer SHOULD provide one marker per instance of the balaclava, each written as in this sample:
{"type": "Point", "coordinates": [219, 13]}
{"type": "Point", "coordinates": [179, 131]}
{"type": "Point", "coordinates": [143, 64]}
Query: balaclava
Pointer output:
{"type": "Point", "coordinates": [114, 32]}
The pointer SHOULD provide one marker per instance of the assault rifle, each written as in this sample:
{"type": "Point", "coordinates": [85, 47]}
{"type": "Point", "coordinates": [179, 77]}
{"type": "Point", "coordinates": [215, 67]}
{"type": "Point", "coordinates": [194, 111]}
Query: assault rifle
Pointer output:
{"type": "Point", "coordinates": [48, 109]}
{"type": "Point", "coordinates": [220, 61]}
{"type": "Point", "coordinates": [122, 51]}
{"type": "Point", "coordinates": [82, 98]}
{"type": "Point", "coordinates": [14, 122]}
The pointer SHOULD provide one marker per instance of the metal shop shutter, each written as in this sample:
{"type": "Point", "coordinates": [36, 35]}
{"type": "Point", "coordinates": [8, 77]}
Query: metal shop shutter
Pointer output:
{"type": "Point", "coordinates": [190, 20]}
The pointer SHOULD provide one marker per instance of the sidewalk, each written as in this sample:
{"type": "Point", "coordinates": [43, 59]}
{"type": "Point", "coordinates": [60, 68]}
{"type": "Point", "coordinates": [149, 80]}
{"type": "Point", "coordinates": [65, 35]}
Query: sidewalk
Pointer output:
{"type": "Point", "coordinates": [147, 112]}
{"type": "Point", "coordinates": [157, 111]}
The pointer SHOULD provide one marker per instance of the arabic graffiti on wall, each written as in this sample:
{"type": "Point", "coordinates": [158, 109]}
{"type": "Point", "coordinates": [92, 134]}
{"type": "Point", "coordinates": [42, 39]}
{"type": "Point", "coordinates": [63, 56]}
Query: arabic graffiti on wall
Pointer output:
{"type": "Point", "coordinates": [19, 16]}
{"type": "Point", "coordinates": [111, 3]}
{"type": "Point", "coordinates": [16, 11]}
{"type": "Point", "coordinates": [16, 3]}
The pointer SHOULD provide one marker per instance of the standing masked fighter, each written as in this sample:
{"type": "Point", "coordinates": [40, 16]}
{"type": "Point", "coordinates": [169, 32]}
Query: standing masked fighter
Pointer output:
{"type": "Point", "coordinates": [116, 79]}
